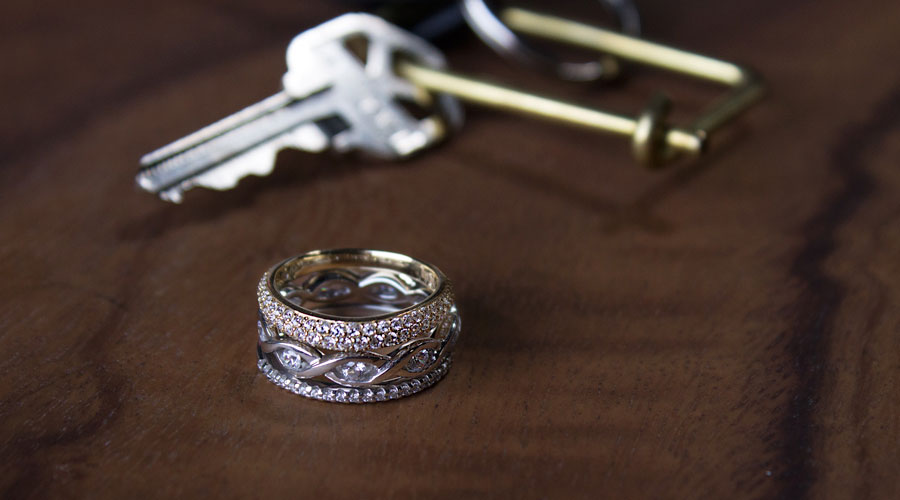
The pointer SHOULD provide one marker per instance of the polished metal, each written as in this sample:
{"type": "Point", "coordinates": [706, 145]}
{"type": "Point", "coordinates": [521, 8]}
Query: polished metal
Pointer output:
{"type": "Point", "coordinates": [355, 284]}
{"type": "Point", "coordinates": [389, 366]}
{"type": "Point", "coordinates": [340, 92]}
{"type": "Point", "coordinates": [503, 40]}
{"type": "Point", "coordinates": [654, 141]}
{"type": "Point", "coordinates": [355, 325]}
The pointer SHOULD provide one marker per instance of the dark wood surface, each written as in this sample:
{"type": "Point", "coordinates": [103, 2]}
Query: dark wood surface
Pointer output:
{"type": "Point", "coordinates": [725, 329]}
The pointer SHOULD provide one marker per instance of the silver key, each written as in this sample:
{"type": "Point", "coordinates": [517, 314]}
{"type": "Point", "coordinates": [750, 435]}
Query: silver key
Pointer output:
{"type": "Point", "coordinates": [331, 99]}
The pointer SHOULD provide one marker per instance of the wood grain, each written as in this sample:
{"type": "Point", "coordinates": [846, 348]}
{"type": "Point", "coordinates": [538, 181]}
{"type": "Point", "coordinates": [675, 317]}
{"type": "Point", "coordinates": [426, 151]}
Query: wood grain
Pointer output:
{"type": "Point", "coordinates": [728, 328]}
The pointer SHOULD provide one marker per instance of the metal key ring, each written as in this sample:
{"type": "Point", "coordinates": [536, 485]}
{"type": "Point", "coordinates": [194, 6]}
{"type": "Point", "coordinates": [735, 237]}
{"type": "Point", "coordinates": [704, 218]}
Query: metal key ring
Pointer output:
{"type": "Point", "coordinates": [504, 41]}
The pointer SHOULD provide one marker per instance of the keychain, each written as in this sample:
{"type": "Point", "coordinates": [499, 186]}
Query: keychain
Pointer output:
{"type": "Point", "coordinates": [358, 82]}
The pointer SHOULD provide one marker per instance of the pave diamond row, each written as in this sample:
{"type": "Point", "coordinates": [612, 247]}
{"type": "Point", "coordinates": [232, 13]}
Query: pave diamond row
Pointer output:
{"type": "Point", "coordinates": [352, 336]}
{"type": "Point", "coordinates": [338, 394]}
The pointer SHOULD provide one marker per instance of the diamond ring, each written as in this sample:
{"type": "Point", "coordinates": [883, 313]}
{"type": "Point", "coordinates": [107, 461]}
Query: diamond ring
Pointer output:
{"type": "Point", "coordinates": [354, 325]}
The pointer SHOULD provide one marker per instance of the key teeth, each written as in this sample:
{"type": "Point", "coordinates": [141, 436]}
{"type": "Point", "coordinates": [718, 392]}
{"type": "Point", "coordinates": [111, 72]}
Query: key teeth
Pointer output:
{"type": "Point", "coordinates": [172, 195]}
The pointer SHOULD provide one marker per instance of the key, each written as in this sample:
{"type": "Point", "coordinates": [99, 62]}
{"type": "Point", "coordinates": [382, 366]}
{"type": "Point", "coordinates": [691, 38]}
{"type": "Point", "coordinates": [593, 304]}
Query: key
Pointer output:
{"type": "Point", "coordinates": [332, 98]}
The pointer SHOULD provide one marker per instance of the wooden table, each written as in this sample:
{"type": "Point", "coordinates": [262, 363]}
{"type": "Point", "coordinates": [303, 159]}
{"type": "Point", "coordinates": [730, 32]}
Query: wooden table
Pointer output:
{"type": "Point", "coordinates": [724, 329]}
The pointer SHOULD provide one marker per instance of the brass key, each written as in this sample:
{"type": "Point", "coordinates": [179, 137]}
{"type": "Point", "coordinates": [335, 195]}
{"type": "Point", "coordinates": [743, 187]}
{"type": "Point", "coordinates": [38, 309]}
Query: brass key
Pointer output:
{"type": "Point", "coordinates": [654, 142]}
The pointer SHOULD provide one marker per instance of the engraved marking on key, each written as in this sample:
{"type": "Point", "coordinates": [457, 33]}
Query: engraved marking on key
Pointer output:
{"type": "Point", "coordinates": [325, 80]}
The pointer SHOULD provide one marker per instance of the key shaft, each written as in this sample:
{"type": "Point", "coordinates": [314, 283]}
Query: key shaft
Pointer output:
{"type": "Point", "coordinates": [230, 137]}
{"type": "Point", "coordinates": [244, 116]}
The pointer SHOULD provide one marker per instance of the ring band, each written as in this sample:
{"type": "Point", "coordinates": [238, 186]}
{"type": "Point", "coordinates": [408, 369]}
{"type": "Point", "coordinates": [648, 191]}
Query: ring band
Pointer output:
{"type": "Point", "coordinates": [355, 325]}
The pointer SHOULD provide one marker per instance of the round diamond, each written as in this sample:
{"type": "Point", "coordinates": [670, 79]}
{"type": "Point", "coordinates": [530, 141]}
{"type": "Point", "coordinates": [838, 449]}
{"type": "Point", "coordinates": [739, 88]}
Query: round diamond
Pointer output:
{"type": "Point", "coordinates": [384, 327]}
{"type": "Point", "coordinates": [338, 330]}
{"type": "Point", "coordinates": [356, 371]}
{"type": "Point", "coordinates": [421, 360]}
{"type": "Point", "coordinates": [360, 343]}
{"type": "Point", "coordinates": [292, 360]}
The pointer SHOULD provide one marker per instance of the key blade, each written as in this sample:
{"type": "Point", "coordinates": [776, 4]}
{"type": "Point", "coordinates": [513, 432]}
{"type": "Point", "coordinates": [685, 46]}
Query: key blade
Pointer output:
{"type": "Point", "coordinates": [246, 115]}
{"type": "Point", "coordinates": [259, 161]}
{"type": "Point", "coordinates": [174, 165]}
